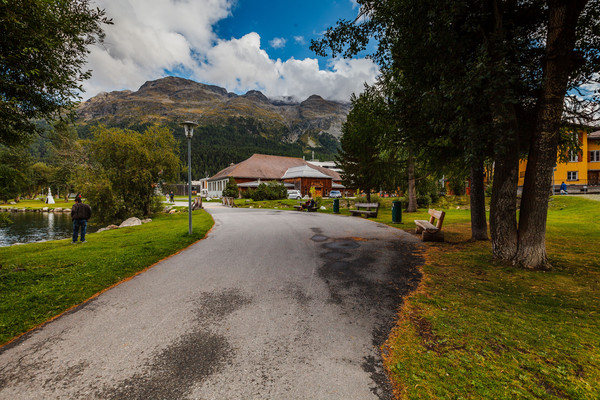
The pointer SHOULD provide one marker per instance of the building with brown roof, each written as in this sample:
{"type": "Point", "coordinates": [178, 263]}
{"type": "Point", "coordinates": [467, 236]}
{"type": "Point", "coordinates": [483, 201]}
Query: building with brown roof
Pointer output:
{"type": "Point", "coordinates": [295, 173]}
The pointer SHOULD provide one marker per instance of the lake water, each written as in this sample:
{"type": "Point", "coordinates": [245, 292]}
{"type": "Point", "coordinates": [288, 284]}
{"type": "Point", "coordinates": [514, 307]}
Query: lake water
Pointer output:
{"type": "Point", "coordinates": [38, 227]}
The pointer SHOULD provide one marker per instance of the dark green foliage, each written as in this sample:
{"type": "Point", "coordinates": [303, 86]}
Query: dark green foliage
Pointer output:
{"type": "Point", "coordinates": [214, 147]}
{"type": "Point", "coordinates": [269, 191]}
{"type": "Point", "coordinates": [124, 168]}
{"type": "Point", "coordinates": [43, 49]}
{"type": "Point", "coordinates": [15, 167]}
{"type": "Point", "coordinates": [428, 189]}
{"type": "Point", "coordinates": [231, 190]}
{"type": "Point", "coordinates": [366, 163]}
{"type": "Point", "coordinates": [456, 184]}
{"type": "Point", "coordinates": [5, 219]}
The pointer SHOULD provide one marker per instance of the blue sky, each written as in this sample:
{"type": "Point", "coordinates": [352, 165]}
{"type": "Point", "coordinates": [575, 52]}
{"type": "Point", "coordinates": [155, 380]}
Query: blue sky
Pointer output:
{"type": "Point", "coordinates": [297, 22]}
{"type": "Point", "coordinates": [237, 44]}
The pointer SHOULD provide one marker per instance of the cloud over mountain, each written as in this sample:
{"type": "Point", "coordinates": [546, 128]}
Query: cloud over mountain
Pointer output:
{"type": "Point", "coordinates": [155, 38]}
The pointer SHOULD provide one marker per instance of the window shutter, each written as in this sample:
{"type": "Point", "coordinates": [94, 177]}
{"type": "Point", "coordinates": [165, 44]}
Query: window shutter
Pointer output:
{"type": "Point", "coordinates": [589, 156]}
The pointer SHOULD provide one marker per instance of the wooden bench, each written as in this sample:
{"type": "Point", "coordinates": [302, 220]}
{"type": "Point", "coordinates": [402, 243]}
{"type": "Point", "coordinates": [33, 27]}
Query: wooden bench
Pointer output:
{"type": "Point", "coordinates": [366, 209]}
{"type": "Point", "coordinates": [427, 229]}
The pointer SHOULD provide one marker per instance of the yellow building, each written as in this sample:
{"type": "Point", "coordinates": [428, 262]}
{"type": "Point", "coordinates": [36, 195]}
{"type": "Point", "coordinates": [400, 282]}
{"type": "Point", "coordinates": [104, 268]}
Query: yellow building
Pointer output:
{"type": "Point", "coordinates": [582, 169]}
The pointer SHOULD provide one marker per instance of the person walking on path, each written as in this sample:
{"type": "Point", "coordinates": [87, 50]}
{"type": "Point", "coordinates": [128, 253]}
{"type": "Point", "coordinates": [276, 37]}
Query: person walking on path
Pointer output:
{"type": "Point", "coordinates": [80, 213]}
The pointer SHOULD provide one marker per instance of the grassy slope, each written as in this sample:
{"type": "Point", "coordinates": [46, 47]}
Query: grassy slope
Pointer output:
{"type": "Point", "coordinates": [477, 329]}
{"type": "Point", "coordinates": [38, 204]}
{"type": "Point", "coordinates": [41, 280]}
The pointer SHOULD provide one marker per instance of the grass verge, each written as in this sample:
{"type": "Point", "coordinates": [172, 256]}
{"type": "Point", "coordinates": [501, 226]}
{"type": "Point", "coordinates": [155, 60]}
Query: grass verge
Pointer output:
{"type": "Point", "coordinates": [479, 329]}
{"type": "Point", "coordinates": [41, 280]}
{"type": "Point", "coordinates": [39, 204]}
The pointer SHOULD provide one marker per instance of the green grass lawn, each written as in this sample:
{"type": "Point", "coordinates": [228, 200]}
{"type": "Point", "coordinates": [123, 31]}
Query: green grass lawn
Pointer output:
{"type": "Point", "coordinates": [41, 280]}
{"type": "Point", "coordinates": [479, 329]}
{"type": "Point", "coordinates": [35, 204]}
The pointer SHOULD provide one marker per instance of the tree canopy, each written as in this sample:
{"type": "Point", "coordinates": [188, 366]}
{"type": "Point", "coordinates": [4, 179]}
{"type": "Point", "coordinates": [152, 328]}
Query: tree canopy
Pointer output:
{"type": "Point", "coordinates": [43, 49]}
{"type": "Point", "coordinates": [125, 168]}
{"type": "Point", "coordinates": [488, 78]}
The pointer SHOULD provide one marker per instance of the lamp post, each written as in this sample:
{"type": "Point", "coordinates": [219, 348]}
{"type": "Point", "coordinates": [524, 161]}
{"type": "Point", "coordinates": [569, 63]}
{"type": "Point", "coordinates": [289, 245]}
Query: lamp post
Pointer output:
{"type": "Point", "coordinates": [188, 127]}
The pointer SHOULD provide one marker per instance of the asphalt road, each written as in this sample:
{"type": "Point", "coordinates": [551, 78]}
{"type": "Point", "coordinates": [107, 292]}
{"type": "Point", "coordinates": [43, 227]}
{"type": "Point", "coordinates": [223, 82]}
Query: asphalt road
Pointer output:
{"type": "Point", "coordinates": [271, 305]}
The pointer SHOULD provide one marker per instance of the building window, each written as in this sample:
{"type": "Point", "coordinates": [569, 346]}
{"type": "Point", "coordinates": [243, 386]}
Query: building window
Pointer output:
{"type": "Point", "coordinates": [573, 156]}
{"type": "Point", "coordinates": [595, 155]}
{"type": "Point", "coordinates": [572, 176]}
{"type": "Point", "coordinates": [522, 174]}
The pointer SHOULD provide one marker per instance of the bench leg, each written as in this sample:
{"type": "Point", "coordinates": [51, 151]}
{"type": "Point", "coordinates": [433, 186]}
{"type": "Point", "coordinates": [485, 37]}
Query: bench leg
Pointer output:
{"type": "Point", "coordinates": [432, 237]}
{"type": "Point", "coordinates": [418, 230]}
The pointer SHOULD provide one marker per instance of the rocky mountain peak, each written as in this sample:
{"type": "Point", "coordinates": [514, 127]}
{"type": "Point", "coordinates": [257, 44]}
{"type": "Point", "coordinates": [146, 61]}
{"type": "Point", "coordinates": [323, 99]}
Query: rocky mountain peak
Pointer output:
{"type": "Point", "coordinates": [173, 98]}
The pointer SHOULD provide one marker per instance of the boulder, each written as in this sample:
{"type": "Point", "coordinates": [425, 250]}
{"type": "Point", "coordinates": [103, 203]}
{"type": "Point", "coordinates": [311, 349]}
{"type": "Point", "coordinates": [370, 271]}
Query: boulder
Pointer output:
{"type": "Point", "coordinates": [145, 221]}
{"type": "Point", "coordinates": [112, 227]}
{"type": "Point", "coordinates": [102, 230]}
{"type": "Point", "coordinates": [13, 203]}
{"type": "Point", "coordinates": [172, 211]}
{"type": "Point", "coordinates": [45, 209]}
{"type": "Point", "coordinates": [57, 209]}
{"type": "Point", "coordinates": [133, 221]}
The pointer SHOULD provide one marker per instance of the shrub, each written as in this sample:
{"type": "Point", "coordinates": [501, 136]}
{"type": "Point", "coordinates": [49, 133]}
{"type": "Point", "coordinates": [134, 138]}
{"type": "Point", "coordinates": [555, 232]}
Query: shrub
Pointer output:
{"type": "Point", "coordinates": [231, 190]}
{"type": "Point", "coordinates": [269, 191]}
{"type": "Point", "coordinates": [457, 185]}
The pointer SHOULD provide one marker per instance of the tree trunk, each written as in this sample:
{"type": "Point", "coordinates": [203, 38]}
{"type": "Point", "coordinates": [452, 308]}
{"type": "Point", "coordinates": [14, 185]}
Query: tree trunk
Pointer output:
{"type": "Point", "coordinates": [477, 200]}
{"type": "Point", "coordinates": [412, 189]}
{"type": "Point", "coordinates": [562, 24]}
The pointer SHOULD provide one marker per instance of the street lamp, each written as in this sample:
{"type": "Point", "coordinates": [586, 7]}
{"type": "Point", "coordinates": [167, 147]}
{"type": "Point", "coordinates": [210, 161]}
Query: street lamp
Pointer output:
{"type": "Point", "coordinates": [188, 127]}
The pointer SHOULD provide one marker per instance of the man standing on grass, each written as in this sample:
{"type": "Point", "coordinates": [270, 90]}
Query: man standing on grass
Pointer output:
{"type": "Point", "coordinates": [80, 213]}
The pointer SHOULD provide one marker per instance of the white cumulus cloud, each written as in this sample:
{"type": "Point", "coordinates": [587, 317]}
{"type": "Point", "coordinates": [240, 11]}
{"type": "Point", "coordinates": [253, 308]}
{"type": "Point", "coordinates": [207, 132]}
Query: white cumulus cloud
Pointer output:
{"type": "Point", "coordinates": [277, 43]}
{"type": "Point", "coordinates": [154, 38]}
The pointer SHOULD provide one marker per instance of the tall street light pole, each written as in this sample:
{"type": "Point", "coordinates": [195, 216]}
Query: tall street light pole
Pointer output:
{"type": "Point", "coordinates": [188, 127]}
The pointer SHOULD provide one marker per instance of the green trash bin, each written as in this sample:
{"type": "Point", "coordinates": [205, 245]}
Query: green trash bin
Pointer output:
{"type": "Point", "coordinates": [336, 206]}
{"type": "Point", "coordinates": [396, 212]}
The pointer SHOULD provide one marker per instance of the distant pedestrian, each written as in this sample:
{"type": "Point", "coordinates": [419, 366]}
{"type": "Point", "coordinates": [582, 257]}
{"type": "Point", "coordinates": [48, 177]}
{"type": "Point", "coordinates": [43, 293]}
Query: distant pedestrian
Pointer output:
{"type": "Point", "coordinates": [80, 213]}
{"type": "Point", "coordinates": [172, 196]}
{"type": "Point", "coordinates": [563, 188]}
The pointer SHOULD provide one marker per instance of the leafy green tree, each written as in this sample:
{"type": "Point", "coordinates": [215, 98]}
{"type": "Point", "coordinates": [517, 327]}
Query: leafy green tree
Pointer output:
{"type": "Point", "coordinates": [231, 190]}
{"type": "Point", "coordinates": [268, 191]}
{"type": "Point", "coordinates": [364, 163]}
{"type": "Point", "coordinates": [15, 164]}
{"type": "Point", "coordinates": [484, 71]}
{"type": "Point", "coordinates": [67, 156]}
{"type": "Point", "coordinates": [43, 49]}
{"type": "Point", "coordinates": [124, 169]}
{"type": "Point", "coordinates": [41, 176]}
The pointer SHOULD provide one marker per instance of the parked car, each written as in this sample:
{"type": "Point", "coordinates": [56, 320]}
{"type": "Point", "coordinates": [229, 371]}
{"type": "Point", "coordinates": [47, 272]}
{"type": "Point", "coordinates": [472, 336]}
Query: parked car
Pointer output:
{"type": "Point", "coordinates": [294, 194]}
{"type": "Point", "coordinates": [335, 194]}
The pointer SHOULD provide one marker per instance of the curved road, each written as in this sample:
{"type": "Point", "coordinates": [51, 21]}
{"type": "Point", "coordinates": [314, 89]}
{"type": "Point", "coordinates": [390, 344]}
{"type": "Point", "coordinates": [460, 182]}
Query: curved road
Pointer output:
{"type": "Point", "coordinates": [271, 305]}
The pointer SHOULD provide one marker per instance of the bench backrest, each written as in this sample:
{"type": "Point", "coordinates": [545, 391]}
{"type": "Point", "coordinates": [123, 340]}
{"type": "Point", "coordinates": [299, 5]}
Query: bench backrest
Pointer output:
{"type": "Point", "coordinates": [367, 205]}
{"type": "Point", "coordinates": [439, 215]}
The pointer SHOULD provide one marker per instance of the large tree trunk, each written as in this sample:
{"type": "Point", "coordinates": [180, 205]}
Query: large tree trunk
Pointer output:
{"type": "Point", "coordinates": [477, 200]}
{"type": "Point", "coordinates": [562, 24]}
{"type": "Point", "coordinates": [412, 189]}
{"type": "Point", "coordinates": [503, 207]}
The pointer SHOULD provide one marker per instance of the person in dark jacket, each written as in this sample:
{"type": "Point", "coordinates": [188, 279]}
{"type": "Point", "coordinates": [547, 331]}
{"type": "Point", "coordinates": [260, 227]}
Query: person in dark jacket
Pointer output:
{"type": "Point", "coordinates": [80, 213]}
{"type": "Point", "coordinates": [563, 188]}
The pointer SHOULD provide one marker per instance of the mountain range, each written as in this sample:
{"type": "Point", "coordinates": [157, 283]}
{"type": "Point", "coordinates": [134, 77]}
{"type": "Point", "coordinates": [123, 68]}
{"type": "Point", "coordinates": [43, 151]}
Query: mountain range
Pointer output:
{"type": "Point", "coordinates": [231, 127]}
{"type": "Point", "coordinates": [173, 99]}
